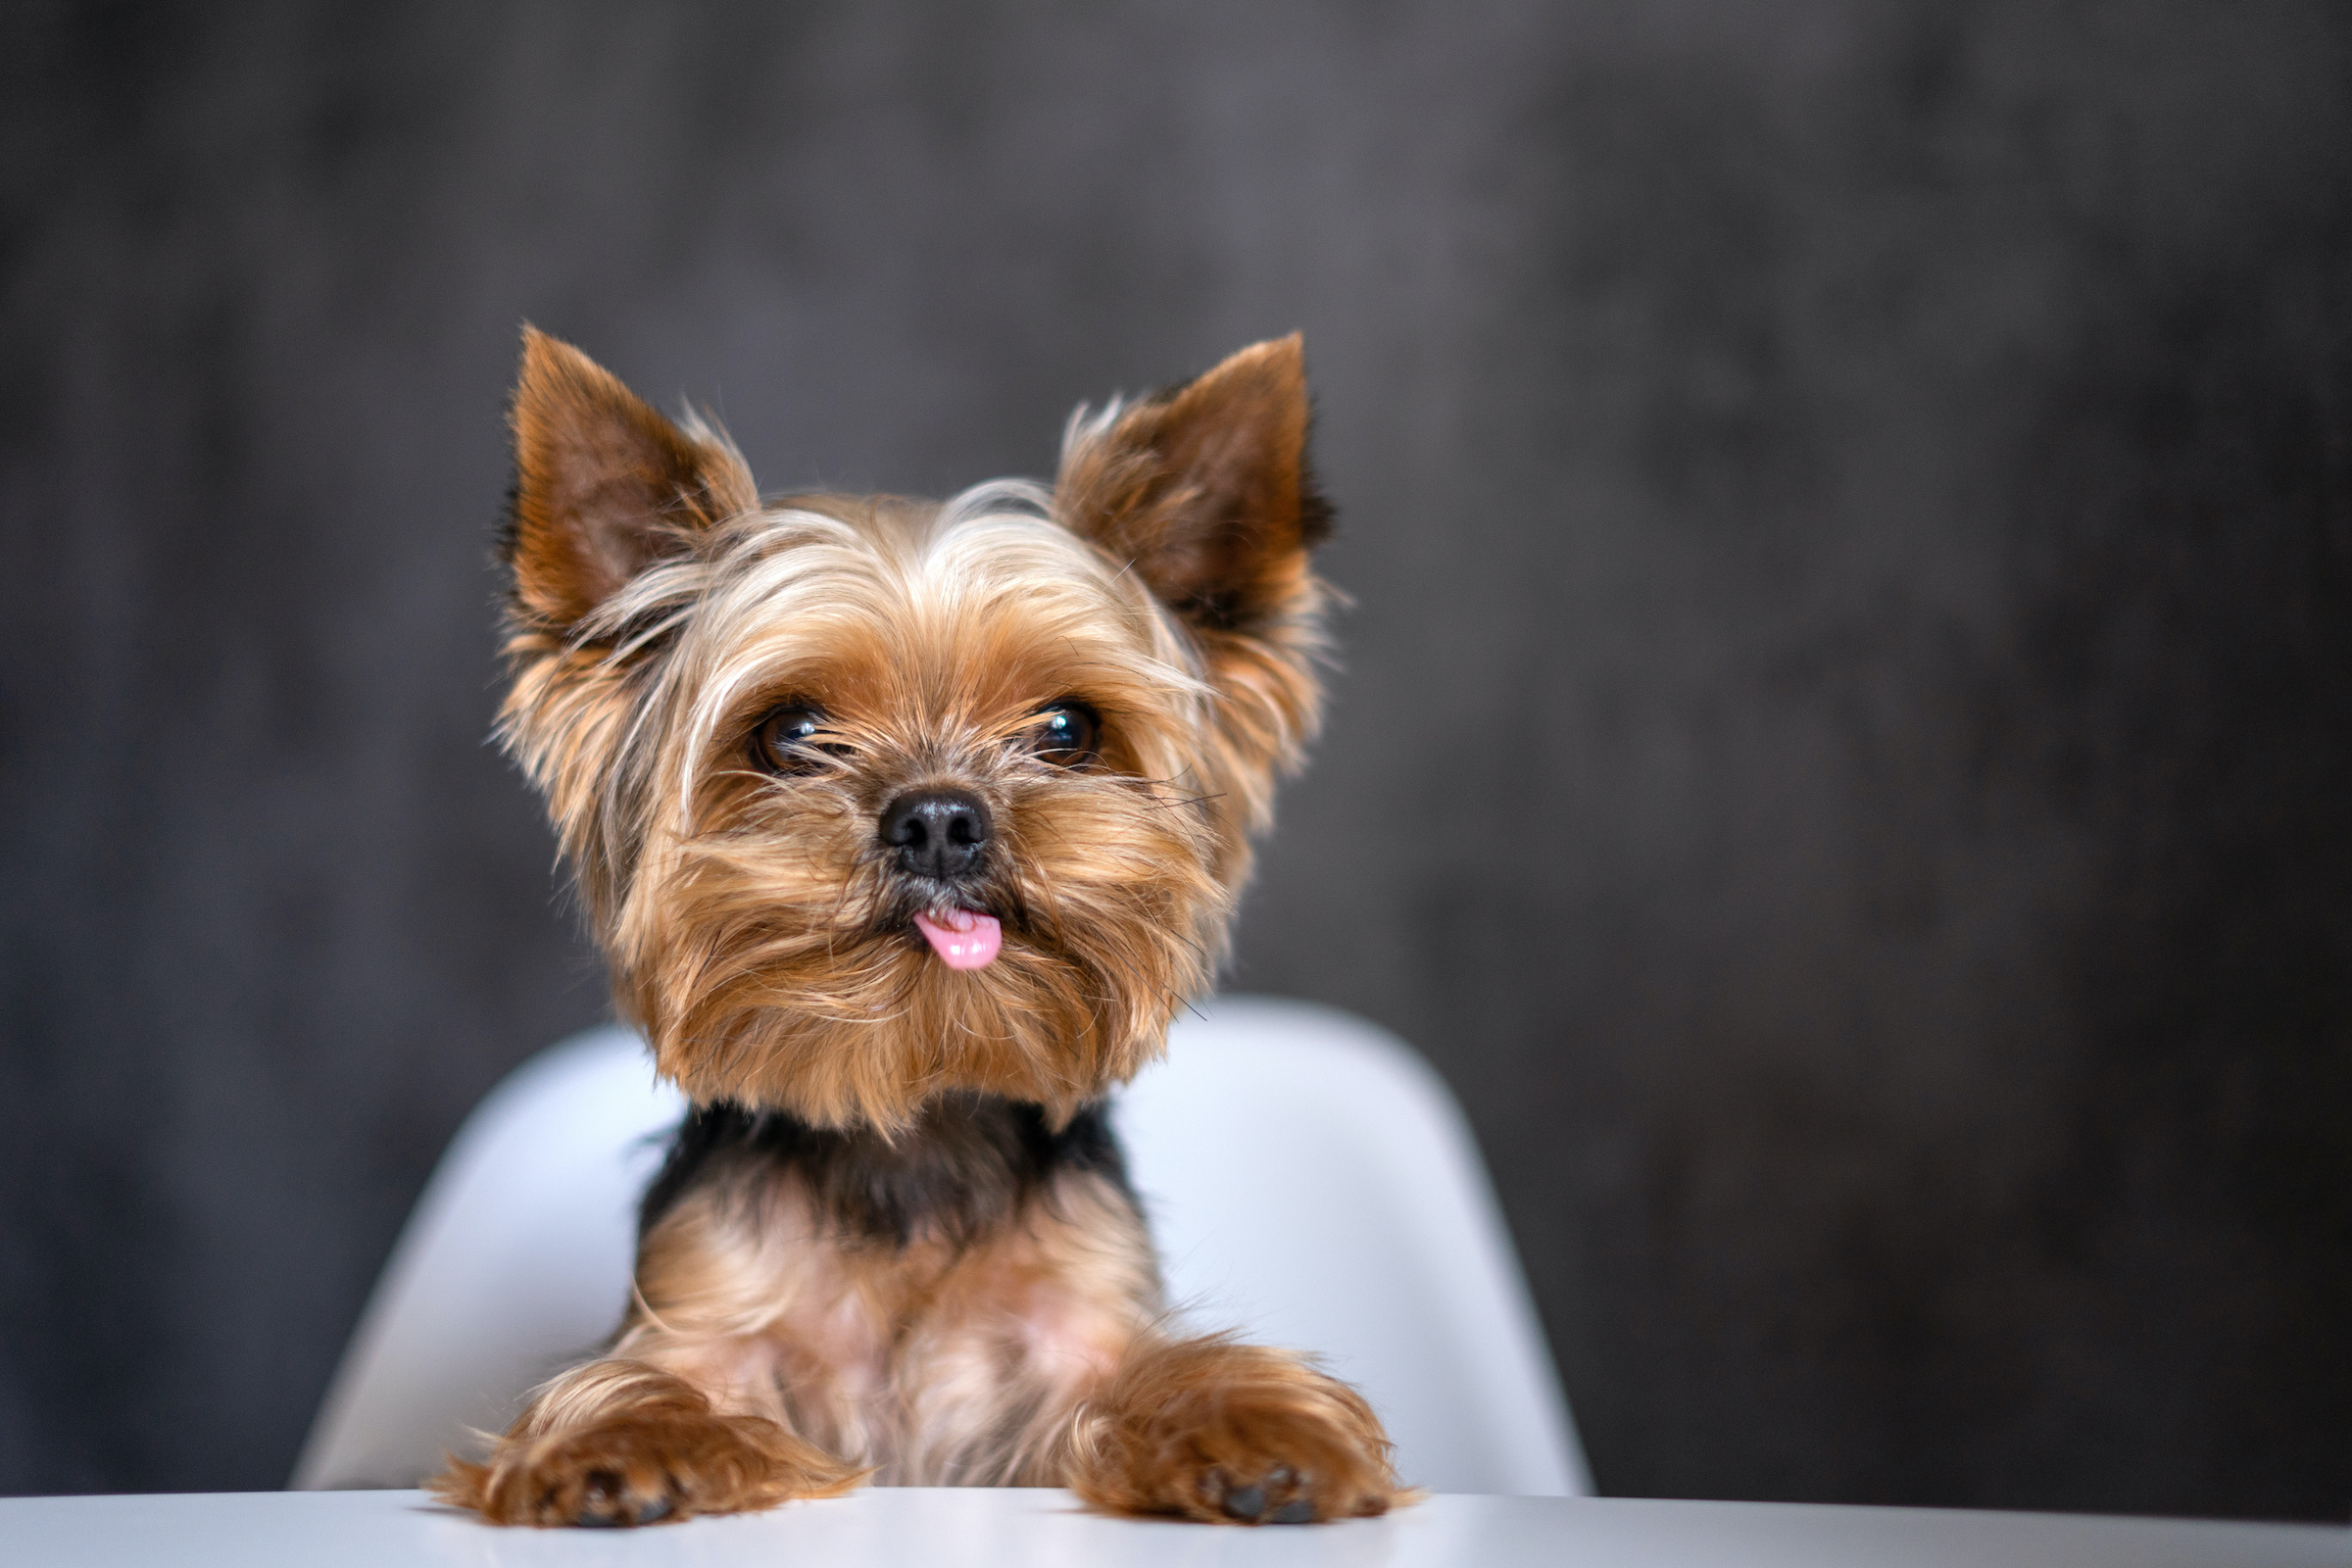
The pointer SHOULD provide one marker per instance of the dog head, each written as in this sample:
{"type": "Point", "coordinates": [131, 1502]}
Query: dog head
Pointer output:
{"type": "Point", "coordinates": [871, 800]}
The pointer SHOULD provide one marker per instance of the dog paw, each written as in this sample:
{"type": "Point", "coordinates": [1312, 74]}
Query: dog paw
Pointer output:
{"type": "Point", "coordinates": [1233, 1434]}
{"type": "Point", "coordinates": [633, 1468]}
{"type": "Point", "coordinates": [1280, 1497]}
{"type": "Point", "coordinates": [604, 1480]}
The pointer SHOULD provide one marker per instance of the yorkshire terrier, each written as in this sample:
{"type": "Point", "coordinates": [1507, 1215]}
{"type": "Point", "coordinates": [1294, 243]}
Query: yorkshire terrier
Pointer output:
{"type": "Point", "coordinates": [905, 827]}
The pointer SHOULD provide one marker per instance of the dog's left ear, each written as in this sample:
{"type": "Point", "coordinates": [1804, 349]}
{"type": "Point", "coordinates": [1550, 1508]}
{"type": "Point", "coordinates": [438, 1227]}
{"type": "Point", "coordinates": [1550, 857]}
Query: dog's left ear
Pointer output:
{"type": "Point", "coordinates": [1204, 490]}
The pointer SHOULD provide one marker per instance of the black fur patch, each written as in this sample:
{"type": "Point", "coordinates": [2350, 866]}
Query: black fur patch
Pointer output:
{"type": "Point", "coordinates": [965, 1170]}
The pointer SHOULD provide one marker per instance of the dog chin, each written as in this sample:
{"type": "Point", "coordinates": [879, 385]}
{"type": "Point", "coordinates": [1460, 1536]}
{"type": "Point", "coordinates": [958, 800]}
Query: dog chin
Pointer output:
{"type": "Point", "coordinates": [867, 1031]}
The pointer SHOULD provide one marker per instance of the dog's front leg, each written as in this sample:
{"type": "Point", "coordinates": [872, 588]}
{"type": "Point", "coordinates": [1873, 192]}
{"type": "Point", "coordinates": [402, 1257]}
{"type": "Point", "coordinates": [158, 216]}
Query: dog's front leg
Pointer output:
{"type": "Point", "coordinates": [624, 1442]}
{"type": "Point", "coordinates": [688, 1413]}
{"type": "Point", "coordinates": [1213, 1429]}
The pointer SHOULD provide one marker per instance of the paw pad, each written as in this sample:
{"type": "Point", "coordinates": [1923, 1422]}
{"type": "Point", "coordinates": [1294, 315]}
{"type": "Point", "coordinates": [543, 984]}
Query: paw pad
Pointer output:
{"type": "Point", "coordinates": [607, 1502]}
{"type": "Point", "coordinates": [1281, 1496]}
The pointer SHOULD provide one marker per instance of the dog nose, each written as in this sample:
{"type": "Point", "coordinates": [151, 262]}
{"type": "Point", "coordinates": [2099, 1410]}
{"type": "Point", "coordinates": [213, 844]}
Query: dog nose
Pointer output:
{"type": "Point", "coordinates": [938, 833]}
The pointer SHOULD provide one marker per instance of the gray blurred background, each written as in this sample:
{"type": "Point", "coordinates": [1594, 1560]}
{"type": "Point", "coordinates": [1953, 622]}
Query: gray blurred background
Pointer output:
{"type": "Point", "coordinates": [1845, 749]}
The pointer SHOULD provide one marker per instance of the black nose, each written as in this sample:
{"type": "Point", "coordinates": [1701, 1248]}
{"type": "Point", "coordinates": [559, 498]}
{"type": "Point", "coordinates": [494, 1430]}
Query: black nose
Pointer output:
{"type": "Point", "coordinates": [938, 833]}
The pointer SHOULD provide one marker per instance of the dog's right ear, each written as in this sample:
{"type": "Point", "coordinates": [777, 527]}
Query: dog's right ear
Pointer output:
{"type": "Point", "coordinates": [604, 485]}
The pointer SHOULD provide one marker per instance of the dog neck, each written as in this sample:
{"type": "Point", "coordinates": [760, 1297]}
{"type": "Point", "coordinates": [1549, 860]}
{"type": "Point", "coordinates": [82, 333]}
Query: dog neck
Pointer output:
{"type": "Point", "coordinates": [965, 1170]}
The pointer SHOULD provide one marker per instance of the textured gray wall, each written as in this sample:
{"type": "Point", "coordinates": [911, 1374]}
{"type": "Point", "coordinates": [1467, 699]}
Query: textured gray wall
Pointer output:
{"type": "Point", "coordinates": [1843, 758]}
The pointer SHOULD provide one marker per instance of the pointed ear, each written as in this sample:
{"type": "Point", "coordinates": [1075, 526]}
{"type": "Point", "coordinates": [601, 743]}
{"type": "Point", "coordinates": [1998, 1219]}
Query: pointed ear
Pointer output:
{"type": "Point", "coordinates": [1205, 488]}
{"type": "Point", "coordinates": [604, 485]}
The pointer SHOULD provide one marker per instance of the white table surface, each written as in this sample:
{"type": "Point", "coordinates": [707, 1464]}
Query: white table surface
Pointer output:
{"type": "Point", "coordinates": [1045, 1529]}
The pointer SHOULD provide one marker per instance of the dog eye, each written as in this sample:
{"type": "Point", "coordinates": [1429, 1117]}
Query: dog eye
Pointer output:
{"type": "Point", "coordinates": [1066, 733]}
{"type": "Point", "coordinates": [785, 738]}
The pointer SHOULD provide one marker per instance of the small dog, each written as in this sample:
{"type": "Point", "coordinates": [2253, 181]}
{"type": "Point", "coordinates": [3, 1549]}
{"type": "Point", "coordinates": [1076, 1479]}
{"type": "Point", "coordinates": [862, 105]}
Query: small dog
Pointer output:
{"type": "Point", "coordinates": [905, 828]}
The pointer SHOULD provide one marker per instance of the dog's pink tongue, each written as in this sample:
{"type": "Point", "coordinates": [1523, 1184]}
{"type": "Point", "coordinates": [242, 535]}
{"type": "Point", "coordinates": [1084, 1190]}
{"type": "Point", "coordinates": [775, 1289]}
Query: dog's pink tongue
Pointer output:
{"type": "Point", "coordinates": [963, 939]}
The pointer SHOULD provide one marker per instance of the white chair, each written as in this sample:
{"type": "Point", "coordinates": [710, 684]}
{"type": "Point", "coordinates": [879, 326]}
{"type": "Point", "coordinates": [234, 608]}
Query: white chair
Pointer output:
{"type": "Point", "coordinates": [1308, 1178]}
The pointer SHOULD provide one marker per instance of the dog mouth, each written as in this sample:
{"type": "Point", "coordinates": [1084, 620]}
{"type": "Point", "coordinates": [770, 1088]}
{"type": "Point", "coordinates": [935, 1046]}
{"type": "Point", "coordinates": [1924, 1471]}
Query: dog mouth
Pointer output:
{"type": "Point", "coordinates": [963, 939]}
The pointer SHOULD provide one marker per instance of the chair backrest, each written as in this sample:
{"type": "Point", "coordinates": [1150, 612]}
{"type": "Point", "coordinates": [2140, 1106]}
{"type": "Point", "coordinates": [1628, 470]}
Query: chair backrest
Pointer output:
{"type": "Point", "coordinates": [1308, 1179]}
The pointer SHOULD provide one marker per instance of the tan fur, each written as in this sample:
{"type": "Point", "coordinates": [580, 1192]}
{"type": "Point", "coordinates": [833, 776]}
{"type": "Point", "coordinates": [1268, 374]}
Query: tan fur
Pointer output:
{"type": "Point", "coordinates": [933, 643]}
{"type": "Point", "coordinates": [629, 1443]}
{"type": "Point", "coordinates": [757, 932]}
{"type": "Point", "coordinates": [1037, 1358]}
{"type": "Point", "coordinates": [1186, 1422]}
{"type": "Point", "coordinates": [593, 466]}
